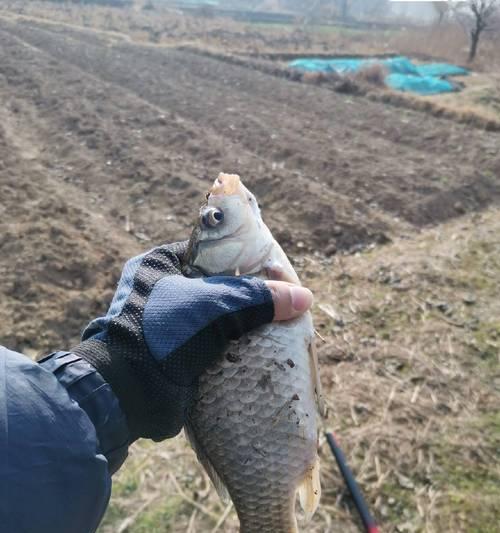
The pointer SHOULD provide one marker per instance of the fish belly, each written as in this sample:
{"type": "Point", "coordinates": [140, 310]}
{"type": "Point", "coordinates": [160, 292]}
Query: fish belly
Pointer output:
{"type": "Point", "coordinates": [253, 424]}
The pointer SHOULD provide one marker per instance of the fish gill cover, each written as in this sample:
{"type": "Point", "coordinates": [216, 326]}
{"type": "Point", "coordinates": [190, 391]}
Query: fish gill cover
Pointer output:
{"type": "Point", "coordinates": [404, 75]}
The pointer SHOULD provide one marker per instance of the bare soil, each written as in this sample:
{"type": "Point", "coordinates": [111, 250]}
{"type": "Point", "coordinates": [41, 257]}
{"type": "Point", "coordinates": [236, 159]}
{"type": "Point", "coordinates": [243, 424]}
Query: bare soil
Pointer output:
{"type": "Point", "coordinates": [125, 130]}
{"type": "Point", "coordinates": [106, 149]}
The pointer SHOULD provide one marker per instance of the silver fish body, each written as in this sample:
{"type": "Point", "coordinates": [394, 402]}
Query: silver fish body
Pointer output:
{"type": "Point", "coordinates": [254, 419]}
{"type": "Point", "coordinates": [253, 423]}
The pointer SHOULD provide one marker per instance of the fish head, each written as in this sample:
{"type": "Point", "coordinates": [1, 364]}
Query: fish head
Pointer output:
{"type": "Point", "coordinates": [229, 236]}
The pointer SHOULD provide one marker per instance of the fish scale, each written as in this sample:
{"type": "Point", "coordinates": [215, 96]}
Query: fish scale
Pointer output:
{"type": "Point", "coordinates": [255, 419]}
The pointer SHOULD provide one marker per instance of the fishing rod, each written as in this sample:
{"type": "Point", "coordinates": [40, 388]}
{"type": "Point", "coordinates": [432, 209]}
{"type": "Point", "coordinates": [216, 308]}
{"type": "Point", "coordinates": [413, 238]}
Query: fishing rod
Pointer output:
{"type": "Point", "coordinates": [359, 501]}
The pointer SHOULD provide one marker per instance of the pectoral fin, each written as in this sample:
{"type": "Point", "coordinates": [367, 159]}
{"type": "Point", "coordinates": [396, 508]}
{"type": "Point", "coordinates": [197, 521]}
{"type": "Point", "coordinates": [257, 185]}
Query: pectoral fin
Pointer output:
{"type": "Point", "coordinates": [310, 490]}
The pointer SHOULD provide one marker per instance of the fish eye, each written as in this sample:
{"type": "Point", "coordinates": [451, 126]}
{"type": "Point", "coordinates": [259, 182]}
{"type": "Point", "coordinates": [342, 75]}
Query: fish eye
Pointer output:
{"type": "Point", "coordinates": [212, 217]}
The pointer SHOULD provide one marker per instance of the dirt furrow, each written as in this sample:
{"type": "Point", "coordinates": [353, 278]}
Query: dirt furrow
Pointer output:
{"type": "Point", "coordinates": [120, 133]}
{"type": "Point", "coordinates": [264, 116]}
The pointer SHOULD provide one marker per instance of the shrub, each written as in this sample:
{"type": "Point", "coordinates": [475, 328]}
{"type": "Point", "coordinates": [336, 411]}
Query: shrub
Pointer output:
{"type": "Point", "coordinates": [373, 74]}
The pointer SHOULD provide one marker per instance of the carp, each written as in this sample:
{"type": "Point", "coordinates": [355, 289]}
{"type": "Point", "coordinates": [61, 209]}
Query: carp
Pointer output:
{"type": "Point", "coordinates": [253, 422]}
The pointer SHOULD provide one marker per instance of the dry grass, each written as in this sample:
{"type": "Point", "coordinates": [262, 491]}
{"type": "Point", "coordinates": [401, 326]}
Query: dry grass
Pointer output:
{"type": "Point", "coordinates": [371, 75]}
{"type": "Point", "coordinates": [410, 371]}
{"type": "Point", "coordinates": [451, 43]}
{"type": "Point", "coordinates": [443, 107]}
{"type": "Point", "coordinates": [416, 335]}
{"type": "Point", "coordinates": [319, 78]}
{"type": "Point", "coordinates": [481, 97]}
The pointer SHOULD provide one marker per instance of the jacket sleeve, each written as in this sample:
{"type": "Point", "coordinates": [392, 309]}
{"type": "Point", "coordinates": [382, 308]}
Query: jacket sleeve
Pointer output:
{"type": "Point", "coordinates": [62, 435]}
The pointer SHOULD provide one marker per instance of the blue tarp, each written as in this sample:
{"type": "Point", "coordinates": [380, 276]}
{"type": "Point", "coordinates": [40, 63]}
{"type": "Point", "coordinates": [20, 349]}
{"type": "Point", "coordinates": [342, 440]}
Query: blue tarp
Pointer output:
{"type": "Point", "coordinates": [400, 65]}
{"type": "Point", "coordinates": [419, 84]}
{"type": "Point", "coordinates": [441, 69]}
{"type": "Point", "coordinates": [403, 74]}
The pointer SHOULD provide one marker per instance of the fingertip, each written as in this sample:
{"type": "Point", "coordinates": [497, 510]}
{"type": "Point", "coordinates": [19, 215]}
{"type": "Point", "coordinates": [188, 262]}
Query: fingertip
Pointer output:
{"type": "Point", "coordinates": [290, 301]}
{"type": "Point", "coordinates": [302, 299]}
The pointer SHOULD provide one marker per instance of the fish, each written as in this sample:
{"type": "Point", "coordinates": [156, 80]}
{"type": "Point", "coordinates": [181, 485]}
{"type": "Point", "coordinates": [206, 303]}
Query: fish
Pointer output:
{"type": "Point", "coordinates": [254, 420]}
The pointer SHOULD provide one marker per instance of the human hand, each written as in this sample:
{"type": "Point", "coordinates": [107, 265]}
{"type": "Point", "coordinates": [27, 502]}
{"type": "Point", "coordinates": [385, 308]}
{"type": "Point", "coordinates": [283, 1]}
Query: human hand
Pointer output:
{"type": "Point", "coordinates": [163, 330]}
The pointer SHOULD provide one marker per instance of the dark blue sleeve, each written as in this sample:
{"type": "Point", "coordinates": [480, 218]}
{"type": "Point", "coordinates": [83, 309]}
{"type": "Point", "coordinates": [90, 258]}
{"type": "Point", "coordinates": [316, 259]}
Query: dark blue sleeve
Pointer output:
{"type": "Point", "coordinates": [62, 434]}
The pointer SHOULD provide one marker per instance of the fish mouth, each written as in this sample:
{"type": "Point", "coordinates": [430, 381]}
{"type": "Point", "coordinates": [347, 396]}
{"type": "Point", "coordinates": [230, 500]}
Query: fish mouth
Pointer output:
{"type": "Point", "coordinates": [226, 185]}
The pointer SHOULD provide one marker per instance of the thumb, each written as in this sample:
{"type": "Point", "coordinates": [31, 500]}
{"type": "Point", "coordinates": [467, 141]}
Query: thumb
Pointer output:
{"type": "Point", "coordinates": [290, 301]}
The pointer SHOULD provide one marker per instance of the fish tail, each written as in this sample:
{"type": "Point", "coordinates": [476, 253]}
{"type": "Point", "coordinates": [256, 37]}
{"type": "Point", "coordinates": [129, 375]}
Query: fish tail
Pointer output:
{"type": "Point", "coordinates": [310, 490]}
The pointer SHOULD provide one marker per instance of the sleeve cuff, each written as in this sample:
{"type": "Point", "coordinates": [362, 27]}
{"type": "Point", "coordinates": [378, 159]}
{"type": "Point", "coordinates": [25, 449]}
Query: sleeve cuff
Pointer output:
{"type": "Point", "coordinates": [94, 395]}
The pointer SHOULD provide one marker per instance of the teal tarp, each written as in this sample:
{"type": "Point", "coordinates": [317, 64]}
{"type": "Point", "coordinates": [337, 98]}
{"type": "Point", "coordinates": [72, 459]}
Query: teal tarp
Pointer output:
{"type": "Point", "coordinates": [441, 69]}
{"type": "Point", "coordinates": [400, 64]}
{"type": "Point", "coordinates": [419, 84]}
{"type": "Point", "coordinates": [403, 74]}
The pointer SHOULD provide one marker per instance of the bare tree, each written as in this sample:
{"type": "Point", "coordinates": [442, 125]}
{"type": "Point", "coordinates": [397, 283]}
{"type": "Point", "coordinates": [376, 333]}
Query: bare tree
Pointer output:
{"type": "Point", "coordinates": [483, 12]}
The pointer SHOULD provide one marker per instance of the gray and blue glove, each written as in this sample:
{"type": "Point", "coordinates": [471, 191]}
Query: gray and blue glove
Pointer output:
{"type": "Point", "coordinates": [163, 330]}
